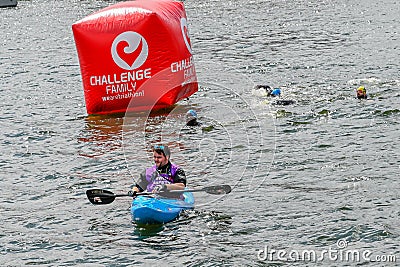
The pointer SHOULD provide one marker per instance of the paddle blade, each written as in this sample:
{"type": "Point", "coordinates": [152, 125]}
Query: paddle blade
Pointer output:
{"type": "Point", "coordinates": [218, 189]}
{"type": "Point", "coordinates": [100, 196]}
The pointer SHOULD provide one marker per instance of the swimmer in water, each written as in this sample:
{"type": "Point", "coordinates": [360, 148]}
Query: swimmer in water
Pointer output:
{"type": "Point", "coordinates": [361, 92]}
{"type": "Point", "coordinates": [191, 118]}
{"type": "Point", "coordinates": [274, 92]}
{"type": "Point", "coordinates": [268, 90]}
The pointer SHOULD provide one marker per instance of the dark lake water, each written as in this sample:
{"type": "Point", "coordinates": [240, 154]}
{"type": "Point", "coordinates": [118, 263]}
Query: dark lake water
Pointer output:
{"type": "Point", "coordinates": [316, 180]}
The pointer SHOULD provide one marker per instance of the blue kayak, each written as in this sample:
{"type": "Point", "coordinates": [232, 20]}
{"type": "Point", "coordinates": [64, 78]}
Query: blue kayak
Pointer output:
{"type": "Point", "coordinates": [157, 210]}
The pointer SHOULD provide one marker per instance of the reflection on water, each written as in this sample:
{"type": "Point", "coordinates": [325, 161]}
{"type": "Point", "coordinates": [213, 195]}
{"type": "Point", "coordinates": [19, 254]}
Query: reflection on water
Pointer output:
{"type": "Point", "coordinates": [102, 134]}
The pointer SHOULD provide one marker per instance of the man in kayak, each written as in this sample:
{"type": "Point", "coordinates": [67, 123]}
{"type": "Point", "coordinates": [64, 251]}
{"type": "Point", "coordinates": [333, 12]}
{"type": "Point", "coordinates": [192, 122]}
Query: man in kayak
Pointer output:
{"type": "Point", "coordinates": [163, 176]}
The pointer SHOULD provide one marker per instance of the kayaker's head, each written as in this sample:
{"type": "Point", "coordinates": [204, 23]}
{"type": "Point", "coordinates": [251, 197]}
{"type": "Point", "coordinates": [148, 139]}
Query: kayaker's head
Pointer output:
{"type": "Point", "coordinates": [161, 154]}
{"type": "Point", "coordinates": [361, 92]}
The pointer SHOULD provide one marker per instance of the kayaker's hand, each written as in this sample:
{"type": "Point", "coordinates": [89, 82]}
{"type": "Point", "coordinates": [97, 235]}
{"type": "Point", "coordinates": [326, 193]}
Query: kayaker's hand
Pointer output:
{"type": "Point", "coordinates": [132, 194]}
{"type": "Point", "coordinates": [160, 188]}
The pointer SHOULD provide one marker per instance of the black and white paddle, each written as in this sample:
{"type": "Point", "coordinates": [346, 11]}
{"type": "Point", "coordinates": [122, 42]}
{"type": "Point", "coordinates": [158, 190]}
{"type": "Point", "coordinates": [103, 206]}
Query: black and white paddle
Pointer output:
{"type": "Point", "coordinates": [102, 196]}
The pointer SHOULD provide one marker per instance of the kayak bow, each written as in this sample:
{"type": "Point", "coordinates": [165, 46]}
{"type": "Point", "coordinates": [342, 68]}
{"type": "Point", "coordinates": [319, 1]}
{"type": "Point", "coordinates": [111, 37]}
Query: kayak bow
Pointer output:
{"type": "Point", "coordinates": [157, 210]}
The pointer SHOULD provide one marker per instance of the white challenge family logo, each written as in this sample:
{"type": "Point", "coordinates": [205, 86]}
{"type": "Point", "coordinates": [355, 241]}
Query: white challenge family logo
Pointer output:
{"type": "Point", "coordinates": [129, 50]}
{"type": "Point", "coordinates": [185, 34]}
{"type": "Point", "coordinates": [185, 66]}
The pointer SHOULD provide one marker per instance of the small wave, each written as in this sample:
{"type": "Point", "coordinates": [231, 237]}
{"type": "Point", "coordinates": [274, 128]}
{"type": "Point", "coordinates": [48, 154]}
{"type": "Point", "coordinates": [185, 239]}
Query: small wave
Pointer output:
{"type": "Point", "coordinates": [354, 233]}
{"type": "Point", "coordinates": [362, 81]}
{"type": "Point", "coordinates": [300, 122]}
{"type": "Point", "coordinates": [388, 112]}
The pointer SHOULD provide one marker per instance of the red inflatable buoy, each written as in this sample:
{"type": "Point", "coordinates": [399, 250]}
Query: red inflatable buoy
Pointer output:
{"type": "Point", "coordinates": [135, 56]}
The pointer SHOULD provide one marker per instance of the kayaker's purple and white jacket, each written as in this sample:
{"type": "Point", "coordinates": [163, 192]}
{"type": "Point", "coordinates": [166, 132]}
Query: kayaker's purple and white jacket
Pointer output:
{"type": "Point", "coordinates": [167, 174]}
